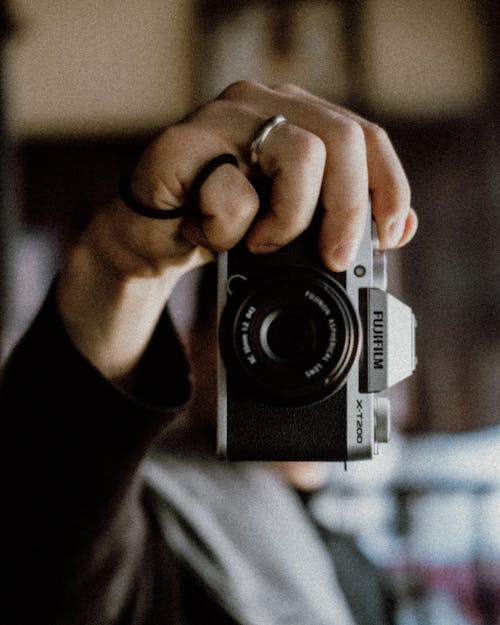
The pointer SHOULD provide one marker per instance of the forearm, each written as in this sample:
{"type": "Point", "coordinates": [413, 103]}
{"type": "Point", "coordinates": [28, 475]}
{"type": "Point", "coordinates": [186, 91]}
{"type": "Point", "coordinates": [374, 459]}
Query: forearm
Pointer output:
{"type": "Point", "coordinates": [74, 443]}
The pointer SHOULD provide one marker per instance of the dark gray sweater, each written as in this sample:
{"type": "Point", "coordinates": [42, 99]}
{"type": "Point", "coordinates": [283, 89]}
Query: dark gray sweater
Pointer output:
{"type": "Point", "coordinates": [109, 525]}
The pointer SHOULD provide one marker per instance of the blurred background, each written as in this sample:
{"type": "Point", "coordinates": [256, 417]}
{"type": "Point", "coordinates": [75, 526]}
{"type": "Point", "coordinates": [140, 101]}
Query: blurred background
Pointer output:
{"type": "Point", "coordinates": [86, 84]}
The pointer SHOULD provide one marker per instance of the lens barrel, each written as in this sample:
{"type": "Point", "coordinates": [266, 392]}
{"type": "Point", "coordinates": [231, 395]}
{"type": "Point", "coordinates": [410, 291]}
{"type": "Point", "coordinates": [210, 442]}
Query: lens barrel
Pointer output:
{"type": "Point", "coordinates": [289, 336]}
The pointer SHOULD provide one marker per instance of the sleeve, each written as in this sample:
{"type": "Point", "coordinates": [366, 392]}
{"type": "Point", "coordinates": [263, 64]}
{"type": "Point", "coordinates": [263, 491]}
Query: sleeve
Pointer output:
{"type": "Point", "coordinates": [73, 444]}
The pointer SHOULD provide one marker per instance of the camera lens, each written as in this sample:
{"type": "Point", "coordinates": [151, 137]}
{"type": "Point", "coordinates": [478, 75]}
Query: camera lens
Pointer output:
{"type": "Point", "coordinates": [290, 336]}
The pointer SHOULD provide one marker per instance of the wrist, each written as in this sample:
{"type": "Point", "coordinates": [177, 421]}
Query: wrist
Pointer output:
{"type": "Point", "coordinates": [127, 245]}
{"type": "Point", "coordinates": [110, 296]}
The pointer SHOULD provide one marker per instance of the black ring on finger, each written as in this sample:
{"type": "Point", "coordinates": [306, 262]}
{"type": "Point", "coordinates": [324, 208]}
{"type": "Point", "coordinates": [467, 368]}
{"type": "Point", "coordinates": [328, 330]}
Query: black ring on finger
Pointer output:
{"type": "Point", "coordinates": [191, 203]}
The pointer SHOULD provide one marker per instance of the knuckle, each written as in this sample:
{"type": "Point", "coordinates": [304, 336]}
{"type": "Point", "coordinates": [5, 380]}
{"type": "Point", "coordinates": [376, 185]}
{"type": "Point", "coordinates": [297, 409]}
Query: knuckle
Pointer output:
{"type": "Point", "coordinates": [376, 134]}
{"type": "Point", "coordinates": [349, 131]}
{"type": "Point", "coordinates": [289, 89]}
{"type": "Point", "coordinates": [173, 136]}
{"type": "Point", "coordinates": [240, 90]}
{"type": "Point", "coordinates": [215, 109]}
{"type": "Point", "coordinates": [209, 112]}
{"type": "Point", "coordinates": [311, 148]}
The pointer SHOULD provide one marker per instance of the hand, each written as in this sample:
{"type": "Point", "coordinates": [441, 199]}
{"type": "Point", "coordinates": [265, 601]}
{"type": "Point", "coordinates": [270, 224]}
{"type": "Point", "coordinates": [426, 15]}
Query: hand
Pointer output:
{"type": "Point", "coordinates": [322, 151]}
{"type": "Point", "coordinates": [124, 267]}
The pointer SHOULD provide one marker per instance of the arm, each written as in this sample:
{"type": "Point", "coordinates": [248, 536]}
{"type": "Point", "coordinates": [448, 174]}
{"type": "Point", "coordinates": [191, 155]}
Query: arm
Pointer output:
{"type": "Point", "coordinates": [72, 445]}
{"type": "Point", "coordinates": [74, 423]}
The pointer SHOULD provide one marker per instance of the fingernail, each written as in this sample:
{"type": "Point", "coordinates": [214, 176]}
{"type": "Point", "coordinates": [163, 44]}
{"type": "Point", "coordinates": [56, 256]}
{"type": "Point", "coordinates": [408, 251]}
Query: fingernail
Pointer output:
{"type": "Point", "coordinates": [343, 255]}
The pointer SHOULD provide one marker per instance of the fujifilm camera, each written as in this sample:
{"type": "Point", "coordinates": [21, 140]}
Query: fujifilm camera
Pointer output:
{"type": "Point", "coordinates": [304, 351]}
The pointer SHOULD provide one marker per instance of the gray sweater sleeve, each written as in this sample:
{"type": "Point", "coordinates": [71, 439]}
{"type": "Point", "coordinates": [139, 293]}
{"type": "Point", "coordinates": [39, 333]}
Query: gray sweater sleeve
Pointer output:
{"type": "Point", "coordinates": [73, 444]}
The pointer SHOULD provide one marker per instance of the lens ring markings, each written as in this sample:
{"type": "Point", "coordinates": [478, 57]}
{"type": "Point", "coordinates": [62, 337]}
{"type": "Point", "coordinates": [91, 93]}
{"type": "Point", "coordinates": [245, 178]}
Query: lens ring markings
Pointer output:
{"type": "Point", "coordinates": [311, 363]}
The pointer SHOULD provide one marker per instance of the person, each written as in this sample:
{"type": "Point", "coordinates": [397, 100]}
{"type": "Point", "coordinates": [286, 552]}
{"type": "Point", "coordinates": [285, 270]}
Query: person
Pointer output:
{"type": "Point", "coordinates": [116, 512]}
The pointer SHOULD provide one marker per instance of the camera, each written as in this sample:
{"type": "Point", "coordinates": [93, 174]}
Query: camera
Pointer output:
{"type": "Point", "coordinates": [303, 352]}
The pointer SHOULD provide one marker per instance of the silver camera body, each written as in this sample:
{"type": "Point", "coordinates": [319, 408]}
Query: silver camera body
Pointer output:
{"type": "Point", "coordinates": [304, 351]}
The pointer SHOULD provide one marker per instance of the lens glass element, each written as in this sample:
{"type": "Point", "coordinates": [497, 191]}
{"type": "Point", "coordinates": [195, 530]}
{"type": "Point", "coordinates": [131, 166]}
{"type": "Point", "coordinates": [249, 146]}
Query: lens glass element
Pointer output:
{"type": "Point", "coordinates": [293, 336]}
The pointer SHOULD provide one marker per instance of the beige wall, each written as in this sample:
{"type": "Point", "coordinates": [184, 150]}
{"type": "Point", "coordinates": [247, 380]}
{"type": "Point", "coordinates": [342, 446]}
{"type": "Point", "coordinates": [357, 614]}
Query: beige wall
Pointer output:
{"type": "Point", "coordinates": [89, 66]}
{"type": "Point", "coordinates": [418, 57]}
{"type": "Point", "coordinates": [426, 56]}
{"type": "Point", "coordinates": [84, 66]}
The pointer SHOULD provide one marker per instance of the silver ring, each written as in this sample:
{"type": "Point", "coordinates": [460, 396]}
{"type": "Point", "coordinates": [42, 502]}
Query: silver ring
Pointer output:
{"type": "Point", "coordinates": [258, 142]}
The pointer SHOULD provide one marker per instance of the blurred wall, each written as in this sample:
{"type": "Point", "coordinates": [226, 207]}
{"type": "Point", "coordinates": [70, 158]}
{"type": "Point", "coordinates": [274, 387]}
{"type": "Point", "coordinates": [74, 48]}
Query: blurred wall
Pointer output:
{"type": "Point", "coordinates": [398, 57]}
{"type": "Point", "coordinates": [91, 81]}
{"type": "Point", "coordinates": [89, 67]}
{"type": "Point", "coordinates": [427, 57]}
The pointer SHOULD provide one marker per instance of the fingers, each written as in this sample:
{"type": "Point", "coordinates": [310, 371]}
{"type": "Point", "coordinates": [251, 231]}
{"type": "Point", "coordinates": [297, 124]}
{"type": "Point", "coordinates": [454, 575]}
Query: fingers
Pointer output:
{"type": "Point", "coordinates": [344, 185]}
{"type": "Point", "coordinates": [295, 159]}
{"type": "Point", "coordinates": [410, 229]}
{"type": "Point", "coordinates": [228, 204]}
{"type": "Point", "coordinates": [390, 190]}
{"type": "Point", "coordinates": [345, 197]}
{"type": "Point", "coordinates": [387, 181]}
{"type": "Point", "coordinates": [323, 151]}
